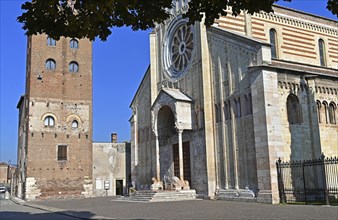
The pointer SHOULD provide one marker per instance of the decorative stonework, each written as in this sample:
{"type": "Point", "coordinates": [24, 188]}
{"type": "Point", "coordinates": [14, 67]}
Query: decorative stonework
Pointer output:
{"type": "Point", "coordinates": [295, 22]}
{"type": "Point", "coordinates": [178, 48]}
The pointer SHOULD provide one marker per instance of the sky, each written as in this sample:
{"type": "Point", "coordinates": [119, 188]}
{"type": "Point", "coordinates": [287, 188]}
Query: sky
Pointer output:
{"type": "Point", "coordinates": [118, 67]}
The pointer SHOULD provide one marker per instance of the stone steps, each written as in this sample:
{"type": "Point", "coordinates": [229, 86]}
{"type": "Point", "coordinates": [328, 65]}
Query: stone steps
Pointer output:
{"type": "Point", "coordinates": [243, 195]}
{"type": "Point", "coordinates": [162, 196]}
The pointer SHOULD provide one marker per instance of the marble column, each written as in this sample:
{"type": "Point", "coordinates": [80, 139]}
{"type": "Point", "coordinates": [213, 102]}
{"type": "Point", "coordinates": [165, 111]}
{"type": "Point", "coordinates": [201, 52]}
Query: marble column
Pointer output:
{"type": "Point", "coordinates": [157, 159]}
{"type": "Point", "coordinates": [180, 153]}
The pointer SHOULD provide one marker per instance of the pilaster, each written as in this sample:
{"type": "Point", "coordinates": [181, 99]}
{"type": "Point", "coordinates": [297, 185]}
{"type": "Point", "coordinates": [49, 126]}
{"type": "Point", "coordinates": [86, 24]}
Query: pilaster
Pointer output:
{"type": "Point", "coordinates": [153, 67]}
{"type": "Point", "coordinates": [267, 130]}
{"type": "Point", "coordinates": [208, 113]}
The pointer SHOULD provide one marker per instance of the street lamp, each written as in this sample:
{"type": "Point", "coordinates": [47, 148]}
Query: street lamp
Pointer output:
{"type": "Point", "coordinates": [8, 168]}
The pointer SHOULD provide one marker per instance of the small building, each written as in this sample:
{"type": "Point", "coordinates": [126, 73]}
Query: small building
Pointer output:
{"type": "Point", "coordinates": [111, 168]}
{"type": "Point", "coordinates": [3, 173]}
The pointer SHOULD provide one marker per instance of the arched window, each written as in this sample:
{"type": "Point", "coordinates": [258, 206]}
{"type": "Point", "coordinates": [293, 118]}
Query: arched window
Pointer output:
{"type": "Point", "coordinates": [273, 42]}
{"type": "Point", "coordinates": [319, 111]}
{"type": "Point", "coordinates": [73, 67]}
{"type": "Point", "coordinates": [326, 107]}
{"type": "Point", "coordinates": [75, 124]}
{"type": "Point", "coordinates": [332, 113]}
{"type": "Point", "coordinates": [293, 109]}
{"type": "Point", "coordinates": [74, 44]}
{"type": "Point", "coordinates": [321, 46]}
{"type": "Point", "coordinates": [49, 121]}
{"type": "Point", "coordinates": [50, 64]}
{"type": "Point", "coordinates": [51, 41]}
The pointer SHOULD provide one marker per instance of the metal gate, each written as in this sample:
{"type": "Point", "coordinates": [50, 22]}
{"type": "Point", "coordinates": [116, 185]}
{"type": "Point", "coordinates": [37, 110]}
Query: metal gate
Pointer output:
{"type": "Point", "coordinates": [308, 182]}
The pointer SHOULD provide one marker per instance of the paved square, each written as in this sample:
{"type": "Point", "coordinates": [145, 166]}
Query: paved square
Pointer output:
{"type": "Point", "coordinates": [113, 208]}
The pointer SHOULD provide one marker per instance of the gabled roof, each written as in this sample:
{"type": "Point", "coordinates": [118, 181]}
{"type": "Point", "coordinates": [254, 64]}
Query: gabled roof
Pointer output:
{"type": "Point", "coordinates": [139, 87]}
{"type": "Point", "coordinates": [177, 94]}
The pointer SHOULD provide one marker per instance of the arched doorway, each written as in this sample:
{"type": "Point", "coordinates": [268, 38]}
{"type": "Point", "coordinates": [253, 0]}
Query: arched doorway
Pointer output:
{"type": "Point", "coordinates": [171, 115]}
{"type": "Point", "coordinates": [167, 132]}
{"type": "Point", "coordinates": [165, 123]}
{"type": "Point", "coordinates": [169, 137]}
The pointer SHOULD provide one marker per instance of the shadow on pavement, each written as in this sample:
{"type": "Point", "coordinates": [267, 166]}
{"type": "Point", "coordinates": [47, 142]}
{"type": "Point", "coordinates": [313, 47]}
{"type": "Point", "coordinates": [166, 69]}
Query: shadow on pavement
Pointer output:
{"type": "Point", "coordinates": [64, 215]}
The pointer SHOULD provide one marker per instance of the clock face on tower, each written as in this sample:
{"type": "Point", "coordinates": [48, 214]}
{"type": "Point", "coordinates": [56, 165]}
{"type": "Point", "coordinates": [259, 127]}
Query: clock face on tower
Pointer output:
{"type": "Point", "coordinates": [179, 48]}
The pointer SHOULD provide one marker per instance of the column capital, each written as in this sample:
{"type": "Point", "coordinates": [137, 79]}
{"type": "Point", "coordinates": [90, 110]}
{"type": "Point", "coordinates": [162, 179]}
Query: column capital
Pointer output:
{"type": "Point", "coordinates": [179, 130]}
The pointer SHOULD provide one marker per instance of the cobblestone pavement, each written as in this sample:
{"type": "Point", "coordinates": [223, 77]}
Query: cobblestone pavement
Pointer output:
{"type": "Point", "coordinates": [113, 208]}
{"type": "Point", "coordinates": [14, 211]}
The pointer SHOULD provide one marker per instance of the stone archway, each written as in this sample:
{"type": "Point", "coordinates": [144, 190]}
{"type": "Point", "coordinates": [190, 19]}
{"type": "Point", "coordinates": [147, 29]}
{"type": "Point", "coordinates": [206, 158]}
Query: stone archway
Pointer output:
{"type": "Point", "coordinates": [166, 131]}
{"type": "Point", "coordinates": [165, 122]}
{"type": "Point", "coordinates": [171, 115]}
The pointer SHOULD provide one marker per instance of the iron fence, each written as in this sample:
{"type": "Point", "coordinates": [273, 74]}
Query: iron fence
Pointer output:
{"type": "Point", "coordinates": [308, 182]}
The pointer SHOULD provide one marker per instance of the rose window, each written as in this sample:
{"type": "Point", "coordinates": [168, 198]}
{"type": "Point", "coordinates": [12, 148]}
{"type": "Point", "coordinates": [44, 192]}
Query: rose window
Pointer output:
{"type": "Point", "coordinates": [178, 49]}
{"type": "Point", "coordinates": [181, 48]}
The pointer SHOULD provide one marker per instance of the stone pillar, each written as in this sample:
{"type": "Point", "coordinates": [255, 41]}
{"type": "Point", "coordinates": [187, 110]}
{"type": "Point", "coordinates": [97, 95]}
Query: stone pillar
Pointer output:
{"type": "Point", "coordinates": [180, 153]}
{"type": "Point", "coordinates": [158, 168]}
{"type": "Point", "coordinates": [223, 144]}
{"type": "Point", "coordinates": [208, 111]}
{"type": "Point", "coordinates": [153, 67]}
{"type": "Point", "coordinates": [313, 118]}
{"type": "Point", "coordinates": [267, 130]}
{"type": "Point", "coordinates": [234, 147]}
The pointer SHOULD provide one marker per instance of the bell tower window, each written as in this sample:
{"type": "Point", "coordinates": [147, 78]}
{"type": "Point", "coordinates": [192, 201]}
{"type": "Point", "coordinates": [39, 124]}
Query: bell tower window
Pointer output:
{"type": "Point", "coordinates": [50, 64]}
{"type": "Point", "coordinates": [49, 121]}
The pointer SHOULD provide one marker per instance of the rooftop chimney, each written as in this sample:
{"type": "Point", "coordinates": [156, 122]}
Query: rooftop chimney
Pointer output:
{"type": "Point", "coordinates": [114, 137]}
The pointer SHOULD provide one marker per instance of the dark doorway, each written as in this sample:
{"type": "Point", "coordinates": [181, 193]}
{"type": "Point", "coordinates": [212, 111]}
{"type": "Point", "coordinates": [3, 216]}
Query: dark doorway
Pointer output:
{"type": "Point", "coordinates": [186, 161]}
{"type": "Point", "coordinates": [119, 187]}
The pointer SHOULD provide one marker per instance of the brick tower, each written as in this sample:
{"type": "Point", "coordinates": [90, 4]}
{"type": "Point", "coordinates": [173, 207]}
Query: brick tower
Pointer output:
{"type": "Point", "coordinates": [55, 119]}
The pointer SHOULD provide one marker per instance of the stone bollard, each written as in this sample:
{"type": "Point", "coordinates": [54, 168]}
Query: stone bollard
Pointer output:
{"type": "Point", "coordinates": [6, 195]}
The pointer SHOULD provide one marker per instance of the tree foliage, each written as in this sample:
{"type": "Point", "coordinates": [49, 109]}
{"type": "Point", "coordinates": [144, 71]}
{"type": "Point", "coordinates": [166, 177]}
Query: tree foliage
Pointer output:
{"type": "Point", "coordinates": [95, 18]}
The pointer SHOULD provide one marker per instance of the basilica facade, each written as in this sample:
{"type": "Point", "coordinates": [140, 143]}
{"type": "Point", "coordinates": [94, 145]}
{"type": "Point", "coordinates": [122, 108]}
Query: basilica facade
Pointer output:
{"type": "Point", "coordinates": [219, 105]}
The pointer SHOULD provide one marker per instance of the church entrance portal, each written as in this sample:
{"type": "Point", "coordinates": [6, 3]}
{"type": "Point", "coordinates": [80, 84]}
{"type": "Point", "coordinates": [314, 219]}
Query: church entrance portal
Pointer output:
{"type": "Point", "coordinates": [186, 161]}
{"type": "Point", "coordinates": [171, 115]}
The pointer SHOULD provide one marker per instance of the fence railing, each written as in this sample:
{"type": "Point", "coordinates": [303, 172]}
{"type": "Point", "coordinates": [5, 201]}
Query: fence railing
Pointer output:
{"type": "Point", "coordinates": [308, 182]}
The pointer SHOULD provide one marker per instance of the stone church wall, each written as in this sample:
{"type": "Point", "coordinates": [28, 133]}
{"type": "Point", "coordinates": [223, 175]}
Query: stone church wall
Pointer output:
{"type": "Point", "coordinates": [142, 152]}
{"type": "Point", "coordinates": [326, 91]}
{"type": "Point", "coordinates": [297, 137]}
{"type": "Point", "coordinates": [233, 112]}
{"type": "Point", "coordinates": [314, 135]}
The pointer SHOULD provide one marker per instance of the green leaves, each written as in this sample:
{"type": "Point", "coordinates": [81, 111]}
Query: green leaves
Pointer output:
{"type": "Point", "coordinates": [332, 5]}
{"type": "Point", "coordinates": [95, 18]}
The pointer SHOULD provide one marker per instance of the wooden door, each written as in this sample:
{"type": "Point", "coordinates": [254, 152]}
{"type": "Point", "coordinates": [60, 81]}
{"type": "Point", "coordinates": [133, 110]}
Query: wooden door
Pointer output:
{"type": "Point", "coordinates": [186, 161]}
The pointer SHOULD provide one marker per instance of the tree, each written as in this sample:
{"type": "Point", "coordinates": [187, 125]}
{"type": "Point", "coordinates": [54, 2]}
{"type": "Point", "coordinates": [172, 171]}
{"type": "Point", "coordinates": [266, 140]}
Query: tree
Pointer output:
{"type": "Point", "coordinates": [95, 18]}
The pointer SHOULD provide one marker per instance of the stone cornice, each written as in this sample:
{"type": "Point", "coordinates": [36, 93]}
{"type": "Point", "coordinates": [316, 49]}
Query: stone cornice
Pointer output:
{"type": "Point", "coordinates": [297, 22]}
